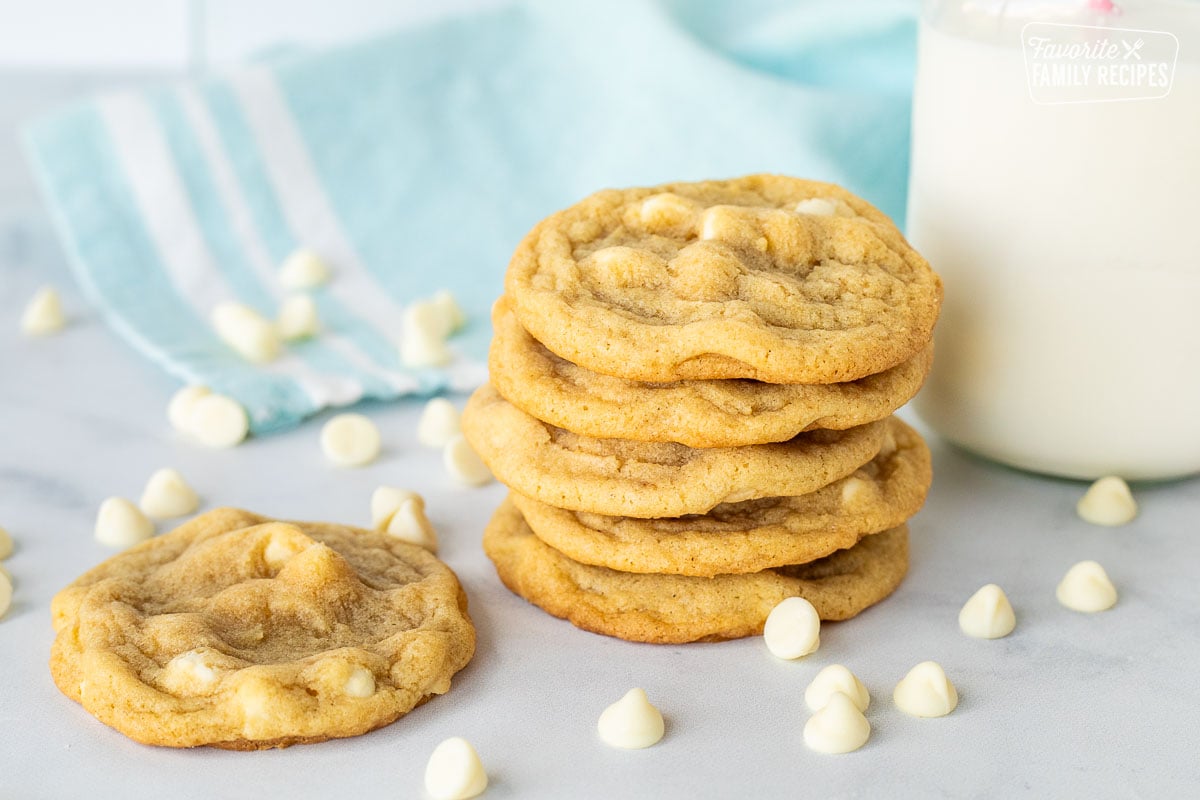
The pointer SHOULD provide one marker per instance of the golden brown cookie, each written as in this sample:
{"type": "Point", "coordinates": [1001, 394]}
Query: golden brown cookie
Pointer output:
{"type": "Point", "coordinates": [752, 535]}
{"type": "Point", "coordinates": [652, 479]}
{"type": "Point", "coordinates": [714, 413]}
{"type": "Point", "coordinates": [242, 632]}
{"type": "Point", "coordinates": [764, 277]}
{"type": "Point", "coordinates": [677, 608]}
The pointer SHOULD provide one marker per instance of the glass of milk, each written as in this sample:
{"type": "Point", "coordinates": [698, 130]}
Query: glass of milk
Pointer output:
{"type": "Point", "coordinates": [1056, 187]}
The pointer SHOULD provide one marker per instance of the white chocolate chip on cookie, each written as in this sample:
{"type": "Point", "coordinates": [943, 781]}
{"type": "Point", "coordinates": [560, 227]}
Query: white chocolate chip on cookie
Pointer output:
{"type": "Point", "coordinates": [454, 771]}
{"type": "Point", "coordinates": [988, 614]}
{"type": "Point", "coordinates": [360, 683]}
{"type": "Point", "coordinates": [817, 206]}
{"type": "Point", "coordinates": [663, 211]}
{"type": "Point", "coordinates": [43, 315]}
{"type": "Point", "coordinates": [303, 269]}
{"type": "Point", "coordinates": [1086, 587]}
{"type": "Point", "coordinates": [439, 423]}
{"type": "Point", "coordinates": [190, 671]}
{"type": "Point", "coordinates": [838, 727]}
{"type": "Point", "coordinates": [298, 318]}
{"type": "Point", "coordinates": [793, 629]}
{"type": "Point", "coordinates": [119, 523]}
{"type": "Point", "coordinates": [1107, 502]}
{"type": "Point", "coordinates": [215, 420]}
{"type": "Point", "coordinates": [926, 691]}
{"type": "Point", "coordinates": [464, 464]}
{"type": "Point", "coordinates": [836, 678]}
{"type": "Point", "coordinates": [631, 723]}
{"type": "Point", "coordinates": [350, 440]}
{"type": "Point", "coordinates": [250, 334]}
{"type": "Point", "coordinates": [168, 495]}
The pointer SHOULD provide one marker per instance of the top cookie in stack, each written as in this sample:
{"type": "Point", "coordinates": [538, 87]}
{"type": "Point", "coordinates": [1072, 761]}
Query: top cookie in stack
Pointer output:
{"type": "Point", "coordinates": [688, 349]}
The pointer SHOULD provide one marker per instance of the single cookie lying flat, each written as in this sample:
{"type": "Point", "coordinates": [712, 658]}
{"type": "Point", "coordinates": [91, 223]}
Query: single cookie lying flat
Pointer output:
{"type": "Point", "coordinates": [652, 479]}
{"type": "Point", "coordinates": [713, 413]}
{"type": "Point", "coordinates": [245, 633]}
{"type": "Point", "coordinates": [725, 279]}
{"type": "Point", "coordinates": [752, 535]}
{"type": "Point", "coordinates": [677, 608]}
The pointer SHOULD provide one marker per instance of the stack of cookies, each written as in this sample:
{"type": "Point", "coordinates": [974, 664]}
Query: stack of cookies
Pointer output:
{"type": "Point", "coordinates": [691, 400]}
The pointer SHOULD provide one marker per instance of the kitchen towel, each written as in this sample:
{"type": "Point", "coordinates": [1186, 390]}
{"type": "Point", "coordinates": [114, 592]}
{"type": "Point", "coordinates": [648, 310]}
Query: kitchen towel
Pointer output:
{"type": "Point", "coordinates": [415, 162]}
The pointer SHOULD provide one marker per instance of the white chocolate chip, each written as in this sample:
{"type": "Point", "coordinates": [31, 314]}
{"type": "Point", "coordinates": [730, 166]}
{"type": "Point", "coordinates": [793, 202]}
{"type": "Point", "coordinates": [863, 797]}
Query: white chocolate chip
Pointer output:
{"type": "Point", "coordinates": [410, 524]}
{"type": "Point", "coordinates": [449, 311]}
{"type": "Point", "coordinates": [664, 210]}
{"type": "Point", "coordinates": [439, 423]}
{"type": "Point", "coordinates": [43, 315]}
{"type": "Point", "coordinates": [856, 490]}
{"type": "Point", "coordinates": [1108, 502]}
{"type": "Point", "coordinates": [838, 727]}
{"type": "Point", "coordinates": [246, 331]}
{"type": "Point", "coordinates": [168, 495]}
{"type": "Point", "coordinates": [384, 502]}
{"type": "Point", "coordinates": [190, 670]}
{"type": "Point", "coordinates": [6, 544]}
{"type": "Point", "coordinates": [6, 593]}
{"type": "Point", "coordinates": [303, 269]}
{"type": "Point", "coordinates": [464, 464]}
{"type": "Point", "coordinates": [988, 614]}
{"type": "Point", "coordinates": [179, 408]}
{"type": "Point", "coordinates": [255, 699]}
{"type": "Point", "coordinates": [279, 551]}
{"type": "Point", "coordinates": [454, 771]}
{"type": "Point", "coordinates": [631, 723]}
{"type": "Point", "coordinates": [361, 683]}
{"type": "Point", "coordinates": [119, 523]}
{"type": "Point", "coordinates": [350, 440]}
{"type": "Point", "coordinates": [793, 629]}
{"type": "Point", "coordinates": [217, 421]}
{"type": "Point", "coordinates": [832, 679]}
{"type": "Point", "coordinates": [926, 691]}
{"type": "Point", "coordinates": [298, 318]}
{"type": "Point", "coordinates": [817, 206]}
{"type": "Point", "coordinates": [423, 338]}
{"type": "Point", "coordinates": [1086, 587]}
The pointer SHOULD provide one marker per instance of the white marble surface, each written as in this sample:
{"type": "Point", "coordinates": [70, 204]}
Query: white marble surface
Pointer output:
{"type": "Point", "coordinates": [1070, 705]}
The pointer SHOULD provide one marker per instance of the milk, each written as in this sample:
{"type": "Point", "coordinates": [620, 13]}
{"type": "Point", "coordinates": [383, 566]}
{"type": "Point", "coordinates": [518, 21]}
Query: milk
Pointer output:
{"type": "Point", "coordinates": [1068, 237]}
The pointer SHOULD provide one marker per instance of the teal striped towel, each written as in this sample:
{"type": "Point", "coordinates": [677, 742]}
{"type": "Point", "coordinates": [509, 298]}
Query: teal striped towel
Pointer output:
{"type": "Point", "coordinates": [416, 161]}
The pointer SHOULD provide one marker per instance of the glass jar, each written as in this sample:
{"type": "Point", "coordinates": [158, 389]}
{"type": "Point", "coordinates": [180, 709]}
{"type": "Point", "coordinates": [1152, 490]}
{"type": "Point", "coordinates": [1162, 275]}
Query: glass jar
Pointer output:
{"type": "Point", "coordinates": [1055, 186]}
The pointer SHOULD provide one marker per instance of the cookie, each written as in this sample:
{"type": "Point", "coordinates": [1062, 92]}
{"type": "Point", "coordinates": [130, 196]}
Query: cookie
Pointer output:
{"type": "Point", "coordinates": [752, 535]}
{"type": "Point", "coordinates": [711, 413]}
{"type": "Point", "coordinates": [678, 608]}
{"type": "Point", "coordinates": [620, 477]}
{"type": "Point", "coordinates": [245, 633]}
{"type": "Point", "coordinates": [765, 277]}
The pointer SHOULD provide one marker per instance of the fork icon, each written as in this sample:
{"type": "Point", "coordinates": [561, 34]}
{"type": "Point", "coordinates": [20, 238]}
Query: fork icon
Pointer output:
{"type": "Point", "coordinates": [1132, 49]}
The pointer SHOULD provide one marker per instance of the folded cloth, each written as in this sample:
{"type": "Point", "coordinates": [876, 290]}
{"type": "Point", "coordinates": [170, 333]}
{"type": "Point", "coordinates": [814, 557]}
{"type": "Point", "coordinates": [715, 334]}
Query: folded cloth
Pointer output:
{"type": "Point", "coordinates": [415, 162]}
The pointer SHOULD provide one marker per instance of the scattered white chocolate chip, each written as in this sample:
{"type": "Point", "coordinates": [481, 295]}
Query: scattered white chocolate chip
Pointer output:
{"type": "Point", "coordinates": [423, 337]}
{"type": "Point", "coordinates": [926, 691]}
{"type": "Point", "coordinates": [454, 771]}
{"type": "Point", "coordinates": [361, 683]}
{"type": "Point", "coordinates": [190, 669]}
{"type": "Point", "coordinates": [793, 629]}
{"type": "Point", "coordinates": [6, 593]}
{"type": "Point", "coordinates": [246, 331]}
{"type": "Point", "coordinates": [298, 318]}
{"type": "Point", "coordinates": [1086, 587]}
{"type": "Point", "coordinates": [350, 440]}
{"type": "Point", "coordinates": [410, 524]}
{"type": "Point", "coordinates": [384, 502]}
{"type": "Point", "coordinates": [6, 544]}
{"type": "Point", "coordinates": [43, 315]}
{"type": "Point", "coordinates": [119, 523]}
{"type": "Point", "coordinates": [448, 310]}
{"type": "Point", "coordinates": [439, 423]}
{"type": "Point", "coordinates": [1108, 502]}
{"type": "Point", "coordinates": [988, 614]}
{"type": "Point", "coordinates": [817, 206]}
{"type": "Point", "coordinates": [838, 727]}
{"type": "Point", "coordinates": [168, 495]}
{"type": "Point", "coordinates": [832, 679]}
{"type": "Point", "coordinates": [464, 463]}
{"type": "Point", "coordinates": [631, 723]}
{"type": "Point", "coordinates": [215, 420]}
{"type": "Point", "coordinates": [303, 269]}
{"type": "Point", "coordinates": [179, 408]}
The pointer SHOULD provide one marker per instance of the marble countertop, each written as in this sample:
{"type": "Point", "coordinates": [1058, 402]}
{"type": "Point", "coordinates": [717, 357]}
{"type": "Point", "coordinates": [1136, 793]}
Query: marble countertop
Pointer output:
{"type": "Point", "coordinates": [1069, 705]}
